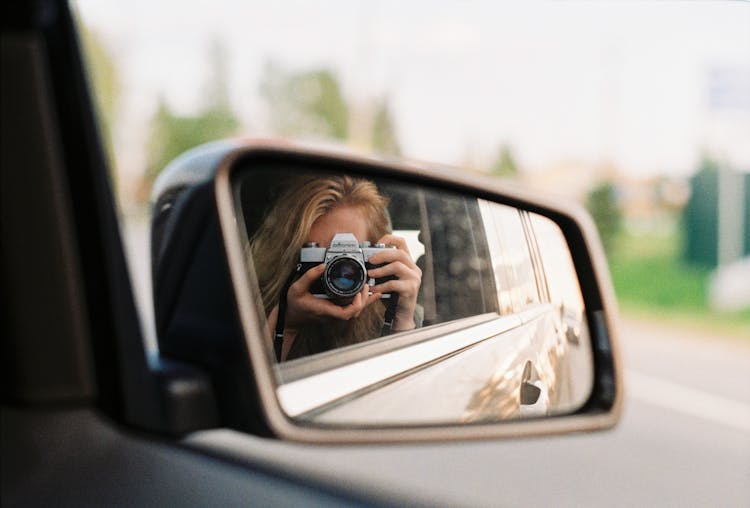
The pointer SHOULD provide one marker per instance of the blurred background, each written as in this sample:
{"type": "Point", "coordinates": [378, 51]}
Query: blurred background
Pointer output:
{"type": "Point", "coordinates": [640, 111]}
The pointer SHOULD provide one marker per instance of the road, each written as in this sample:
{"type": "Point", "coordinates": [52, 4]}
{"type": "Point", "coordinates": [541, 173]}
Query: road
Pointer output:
{"type": "Point", "coordinates": [683, 440]}
{"type": "Point", "coordinates": [664, 452]}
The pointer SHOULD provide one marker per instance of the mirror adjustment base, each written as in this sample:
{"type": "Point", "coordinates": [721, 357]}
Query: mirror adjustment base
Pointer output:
{"type": "Point", "coordinates": [185, 401]}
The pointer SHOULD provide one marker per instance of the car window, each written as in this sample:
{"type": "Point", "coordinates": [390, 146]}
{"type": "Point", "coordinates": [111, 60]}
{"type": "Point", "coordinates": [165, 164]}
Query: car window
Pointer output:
{"type": "Point", "coordinates": [501, 267]}
{"type": "Point", "coordinates": [442, 231]}
{"type": "Point", "coordinates": [566, 299]}
{"type": "Point", "coordinates": [559, 270]}
{"type": "Point", "coordinates": [511, 258]}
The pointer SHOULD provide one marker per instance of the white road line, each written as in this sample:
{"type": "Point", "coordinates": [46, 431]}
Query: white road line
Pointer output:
{"type": "Point", "coordinates": [687, 400]}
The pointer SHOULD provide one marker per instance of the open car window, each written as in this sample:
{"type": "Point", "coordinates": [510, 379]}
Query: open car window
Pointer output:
{"type": "Point", "coordinates": [446, 239]}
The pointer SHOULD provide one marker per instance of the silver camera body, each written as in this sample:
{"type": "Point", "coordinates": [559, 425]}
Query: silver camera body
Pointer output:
{"type": "Point", "coordinates": [347, 262]}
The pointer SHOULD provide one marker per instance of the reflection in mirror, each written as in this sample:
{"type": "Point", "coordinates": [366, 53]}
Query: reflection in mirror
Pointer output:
{"type": "Point", "coordinates": [388, 303]}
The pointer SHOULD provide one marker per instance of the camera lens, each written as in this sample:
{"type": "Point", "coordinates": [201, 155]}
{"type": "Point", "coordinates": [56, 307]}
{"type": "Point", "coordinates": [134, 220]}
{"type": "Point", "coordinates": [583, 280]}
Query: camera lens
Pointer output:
{"type": "Point", "coordinates": [345, 276]}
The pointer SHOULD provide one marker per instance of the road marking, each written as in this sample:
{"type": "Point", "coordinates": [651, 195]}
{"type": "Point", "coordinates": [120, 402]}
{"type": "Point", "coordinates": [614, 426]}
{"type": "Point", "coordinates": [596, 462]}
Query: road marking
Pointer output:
{"type": "Point", "coordinates": [688, 400]}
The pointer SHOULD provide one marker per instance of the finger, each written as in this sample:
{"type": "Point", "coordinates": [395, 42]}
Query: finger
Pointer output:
{"type": "Point", "coordinates": [398, 269]}
{"type": "Point", "coordinates": [374, 297]}
{"type": "Point", "coordinates": [361, 301]}
{"type": "Point", "coordinates": [327, 309]}
{"type": "Point", "coordinates": [321, 308]}
{"type": "Point", "coordinates": [351, 310]}
{"type": "Point", "coordinates": [398, 241]}
{"type": "Point", "coordinates": [365, 298]}
{"type": "Point", "coordinates": [391, 255]}
{"type": "Point", "coordinates": [405, 288]}
{"type": "Point", "coordinates": [369, 296]}
{"type": "Point", "coordinates": [365, 292]}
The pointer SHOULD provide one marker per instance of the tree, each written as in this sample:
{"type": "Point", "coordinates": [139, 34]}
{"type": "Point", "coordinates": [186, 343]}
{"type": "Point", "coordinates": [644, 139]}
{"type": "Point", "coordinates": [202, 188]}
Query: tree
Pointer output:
{"type": "Point", "coordinates": [505, 164]}
{"type": "Point", "coordinates": [383, 134]}
{"type": "Point", "coordinates": [311, 104]}
{"type": "Point", "coordinates": [601, 203]}
{"type": "Point", "coordinates": [171, 134]}
{"type": "Point", "coordinates": [105, 85]}
{"type": "Point", "coordinates": [216, 88]}
{"type": "Point", "coordinates": [306, 103]}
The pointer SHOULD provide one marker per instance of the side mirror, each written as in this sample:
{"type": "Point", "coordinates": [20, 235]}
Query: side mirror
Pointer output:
{"type": "Point", "coordinates": [334, 298]}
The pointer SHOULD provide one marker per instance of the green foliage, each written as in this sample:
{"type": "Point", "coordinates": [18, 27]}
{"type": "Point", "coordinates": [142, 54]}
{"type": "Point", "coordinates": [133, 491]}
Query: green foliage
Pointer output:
{"type": "Point", "coordinates": [601, 203]}
{"type": "Point", "coordinates": [105, 87]}
{"type": "Point", "coordinates": [170, 134]}
{"type": "Point", "coordinates": [383, 133]}
{"type": "Point", "coordinates": [656, 278]}
{"type": "Point", "coordinates": [651, 281]}
{"type": "Point", "coordinates": [505, 165]}
{"type": "Point", "coordinates": [216, 88]}
{"type": "Point", "coordinates": [306, 103]}
{"type": "Point", "coordinates": [709, 164]}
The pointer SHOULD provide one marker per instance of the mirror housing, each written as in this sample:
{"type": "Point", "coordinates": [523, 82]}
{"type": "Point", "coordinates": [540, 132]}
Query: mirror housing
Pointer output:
{"type": "Point", "coordinates": [207, 312]}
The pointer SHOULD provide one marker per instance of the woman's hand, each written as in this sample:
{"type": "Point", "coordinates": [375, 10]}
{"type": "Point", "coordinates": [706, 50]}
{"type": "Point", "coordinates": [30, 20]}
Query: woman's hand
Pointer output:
{"type": "Point", "coordinates": [399, 263]}
{"type": "Point", "coordinates": [302, 307]}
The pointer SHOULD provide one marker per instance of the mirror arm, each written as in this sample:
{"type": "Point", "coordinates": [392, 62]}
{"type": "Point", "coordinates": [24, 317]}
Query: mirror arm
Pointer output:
{"type": "Point", "coordinates": [185, 398]}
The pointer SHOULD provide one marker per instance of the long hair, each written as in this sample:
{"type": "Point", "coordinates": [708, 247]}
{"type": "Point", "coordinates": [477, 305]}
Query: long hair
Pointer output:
{"type": "Point", "coordinates": [275, 249]}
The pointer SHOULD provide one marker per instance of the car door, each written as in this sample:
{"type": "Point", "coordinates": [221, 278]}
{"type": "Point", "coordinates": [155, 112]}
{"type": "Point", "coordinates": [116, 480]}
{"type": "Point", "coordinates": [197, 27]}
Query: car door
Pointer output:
{"type": "Point", "coordinates": [81, 422]}
{"type": "Point", "coordinates": [89, 417]}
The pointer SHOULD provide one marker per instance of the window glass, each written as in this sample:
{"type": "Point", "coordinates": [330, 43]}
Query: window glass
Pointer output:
{"type": "Point", "coordinates": [500, 266]}
{"type": "Point", "coordinates": [432, 242]}
{"type": "Point", "coordinates": [514, 262]}
{"type": "Point", "coordinates": [558, 265]}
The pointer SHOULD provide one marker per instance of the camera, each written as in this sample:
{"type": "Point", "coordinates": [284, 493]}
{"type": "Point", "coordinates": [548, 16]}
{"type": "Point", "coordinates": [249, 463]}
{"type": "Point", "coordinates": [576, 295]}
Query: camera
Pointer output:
{"type": "Point", "coordinates": [347, 262]}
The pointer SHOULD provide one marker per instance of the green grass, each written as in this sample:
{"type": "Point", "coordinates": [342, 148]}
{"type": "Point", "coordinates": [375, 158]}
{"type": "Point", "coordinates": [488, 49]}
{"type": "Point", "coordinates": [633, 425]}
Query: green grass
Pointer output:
{"type": "Point", "coordinates": [651, 281]}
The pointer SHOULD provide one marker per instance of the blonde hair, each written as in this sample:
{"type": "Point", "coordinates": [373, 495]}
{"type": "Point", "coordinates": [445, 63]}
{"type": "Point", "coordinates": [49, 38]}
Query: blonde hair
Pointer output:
{"type": "Point", "coordinates": [275, 249]}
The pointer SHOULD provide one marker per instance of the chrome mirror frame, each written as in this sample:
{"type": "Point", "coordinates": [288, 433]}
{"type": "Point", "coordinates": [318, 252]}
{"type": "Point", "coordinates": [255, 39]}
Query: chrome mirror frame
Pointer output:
{"type": "Point", "coordinates": [603, 409]}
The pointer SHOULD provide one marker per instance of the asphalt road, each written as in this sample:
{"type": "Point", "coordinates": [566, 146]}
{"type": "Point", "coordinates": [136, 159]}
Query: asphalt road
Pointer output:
{"type": "Point", "coordinates": [683, 440]}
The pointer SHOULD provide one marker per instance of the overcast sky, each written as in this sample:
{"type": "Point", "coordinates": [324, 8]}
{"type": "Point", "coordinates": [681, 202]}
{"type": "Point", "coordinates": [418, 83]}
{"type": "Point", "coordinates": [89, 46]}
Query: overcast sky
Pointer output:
{"type": "Point", "coordinates": [648, 86]}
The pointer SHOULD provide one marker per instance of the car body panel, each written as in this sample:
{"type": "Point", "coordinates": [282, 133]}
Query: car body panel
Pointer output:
{"type": "Point", "coordinates": [480, 383]}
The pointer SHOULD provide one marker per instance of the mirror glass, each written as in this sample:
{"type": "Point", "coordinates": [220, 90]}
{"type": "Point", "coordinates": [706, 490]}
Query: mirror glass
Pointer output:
{"type": "Point", "coordinates": [388, 303]}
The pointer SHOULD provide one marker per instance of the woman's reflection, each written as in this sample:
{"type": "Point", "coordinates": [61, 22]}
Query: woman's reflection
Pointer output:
{"type": "Point", "coordinates": [291, 268]}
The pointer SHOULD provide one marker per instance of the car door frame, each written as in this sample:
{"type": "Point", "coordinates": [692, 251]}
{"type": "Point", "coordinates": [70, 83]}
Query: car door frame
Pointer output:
{"type": "Point", "coordinates": [85, 415]}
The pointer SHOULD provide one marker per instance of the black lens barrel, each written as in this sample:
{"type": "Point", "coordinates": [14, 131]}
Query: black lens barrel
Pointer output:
{"type": "Point", "coordinates": [344, 276]}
